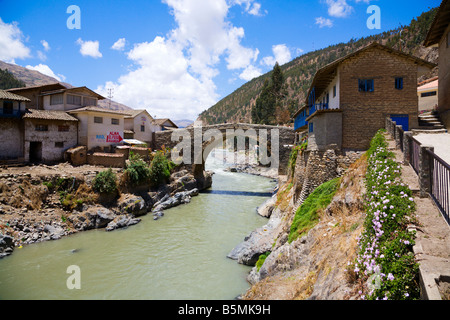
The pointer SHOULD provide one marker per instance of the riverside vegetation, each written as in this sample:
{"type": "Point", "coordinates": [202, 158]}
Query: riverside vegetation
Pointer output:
{"type": "Point", "coordinates": [349, 239]}
{"type": "Point", "coordinates": [38, 207]}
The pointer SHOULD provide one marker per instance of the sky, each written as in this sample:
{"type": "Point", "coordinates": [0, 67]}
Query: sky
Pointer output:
{"type": "Point", "coordinates": [177, 58]}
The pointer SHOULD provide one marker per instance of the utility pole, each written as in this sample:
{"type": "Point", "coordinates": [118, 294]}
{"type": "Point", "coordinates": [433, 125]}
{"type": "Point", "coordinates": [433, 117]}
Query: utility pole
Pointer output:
{"type": "Point", "coordinates": [110, 95]}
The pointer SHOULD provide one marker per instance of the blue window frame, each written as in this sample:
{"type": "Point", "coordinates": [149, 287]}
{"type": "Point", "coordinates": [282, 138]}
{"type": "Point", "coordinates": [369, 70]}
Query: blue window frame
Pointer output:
{"type": "Point", "coordinates": [311, 127]}
{"type": "Point", "coordinates": [366, 85]}
{"type": "Point", "coordinates": [399, 83]}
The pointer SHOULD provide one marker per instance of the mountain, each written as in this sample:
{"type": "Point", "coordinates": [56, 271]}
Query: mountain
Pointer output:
{"type": "Point", "coordinates": [35, 78]}
{"type": "Point", "coordinates": [299, 73]}
{"type": "Point", "coordinates": [183, 123]}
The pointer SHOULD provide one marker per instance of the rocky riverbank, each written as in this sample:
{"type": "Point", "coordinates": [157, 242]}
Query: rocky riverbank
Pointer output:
{"type": "Point", "coordinates": [315, 265]}
{"type": "Point", "coordinates": [32, 209]}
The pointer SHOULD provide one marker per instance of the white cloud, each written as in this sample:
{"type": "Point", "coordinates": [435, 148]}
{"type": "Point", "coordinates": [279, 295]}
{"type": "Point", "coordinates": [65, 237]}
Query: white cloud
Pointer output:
{"type": "Point", "coordinates": [89, 48]}
{"type": "Point", "coordinates": [45, 45]}
{"type": "Point", "coordinates": [119, 44]}
{"type": "Point", "coordinates": [45, 69]}
{"type": "Point", "coordinates": [324, 22]}
{"type": "Point", "coordinates": [250, 73]}
{"type": "Point", "coordinates": [250, 6]}
{"type": "Point", "coordinates": [11, 43]}
{"type": "Point", "coordinates": [173, 76]}
{"type": "Point", "coordinates": [339, 8]}
{"type": "Point", "coordinates": [281, 54]}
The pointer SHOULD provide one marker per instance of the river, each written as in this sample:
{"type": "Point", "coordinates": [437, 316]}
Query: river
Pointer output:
{"type": "Point", "coordinates": [182, 256]}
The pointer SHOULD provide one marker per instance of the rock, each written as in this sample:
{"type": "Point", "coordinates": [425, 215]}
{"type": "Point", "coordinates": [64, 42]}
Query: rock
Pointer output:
{"type": "Point", "coordinates": [122, 221]}
{"type": "Point", "coordinates": [6, 245]}
{"type": "Point", "coordinates": [54, 232]}
{"type": "Point", "coordinates": [104, 217]}
{"type": "Point", "coordinates": [265, 210]}
{"type": "Point", "coordinates": [177, 199]}
{"type": "Point", "coordinates": [134, 205]}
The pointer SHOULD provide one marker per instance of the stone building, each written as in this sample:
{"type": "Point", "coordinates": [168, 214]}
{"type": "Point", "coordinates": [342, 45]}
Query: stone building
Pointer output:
{"type": "Point", "coordinates": [350, 98]}
{"type": "Point", "coordinates": [439, 36]}
{"type": "Point", "coordinates": [12, 106]}
{"type": "Point", "coordinates": [48, 134]}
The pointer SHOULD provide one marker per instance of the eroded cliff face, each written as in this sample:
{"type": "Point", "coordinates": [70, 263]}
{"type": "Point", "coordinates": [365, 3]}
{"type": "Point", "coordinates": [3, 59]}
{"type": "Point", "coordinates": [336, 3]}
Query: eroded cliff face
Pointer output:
{"type": "Point", "coordinates": [313, 266]}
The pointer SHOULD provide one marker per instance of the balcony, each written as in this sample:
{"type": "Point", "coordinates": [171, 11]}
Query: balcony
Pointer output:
{"type": "Point", "coordinates": [10, 114]}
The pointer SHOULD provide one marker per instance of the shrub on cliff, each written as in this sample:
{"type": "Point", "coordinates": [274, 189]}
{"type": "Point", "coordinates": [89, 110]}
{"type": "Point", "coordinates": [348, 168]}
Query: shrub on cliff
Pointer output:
{"type": "Point", "coordinates": [105, 182]}
{"type": "Point", "coordinates": [160, 169]}
{"type": "Point", "coordinates": [137, 171]}
{"type": "Point", "coordinates": [307, 214]}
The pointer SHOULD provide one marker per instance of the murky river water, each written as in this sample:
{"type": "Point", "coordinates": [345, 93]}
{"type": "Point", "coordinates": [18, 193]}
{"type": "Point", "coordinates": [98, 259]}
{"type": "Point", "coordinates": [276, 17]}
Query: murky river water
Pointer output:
{"type": "Point", "coordinates": [181, 256]}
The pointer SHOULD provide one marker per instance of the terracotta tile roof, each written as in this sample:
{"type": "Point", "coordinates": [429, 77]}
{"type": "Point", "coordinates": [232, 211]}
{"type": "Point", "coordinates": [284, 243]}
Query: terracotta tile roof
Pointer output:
{"type": "Point", "coordinates": [48, 115]}
{"type": "Point", "coordinates": [5, 95]}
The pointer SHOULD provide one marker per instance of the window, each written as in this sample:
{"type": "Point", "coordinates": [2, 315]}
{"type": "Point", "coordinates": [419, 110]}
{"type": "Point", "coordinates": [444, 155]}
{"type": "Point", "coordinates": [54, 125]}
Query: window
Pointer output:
{"type": "Point", "coordinates": [59, 144]}
{"type": "Point", "coordinates": [75, 100]}
{"type": "Point", "coordinates": [142, 128]}
{"type": "Point", "coordinates": [328, 98]}
{"type": "Point", "coordinates": [399, 83]}
{"type": "Point", "coordinates": [87, 102]}
{"type": "Point", "coordinates": [63, 128]}
{"type": "Point", "coordinates": [41, 127]}
{"type": "Point", "coordinates": [428, 94]}
{"type": "Point", "coordinates": [334, 92]}
{"type": "Point", "coordinates": [366, 85]}
{"type": "Point", "coordinates": [56, 99]}
{"type": "Point", "coordinates": [311, 127]}
{"type": "Point", "coordinates": [98, 120]}
{"type": "Point", "coordinates": [115, 121]}
{"type": "Point", "coordinates": [8, 107]}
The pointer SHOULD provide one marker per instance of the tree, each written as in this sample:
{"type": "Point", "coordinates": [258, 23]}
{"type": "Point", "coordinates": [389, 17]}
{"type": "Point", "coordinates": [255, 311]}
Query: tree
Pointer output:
{"type": "Point", "coordinates": [8, 80]}
{"type": "Point", "coordinates": [270, 99]}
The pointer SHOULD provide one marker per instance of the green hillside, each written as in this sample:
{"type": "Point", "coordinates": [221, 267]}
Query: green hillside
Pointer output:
{"type": "Point", "coordinates": [299, 73]}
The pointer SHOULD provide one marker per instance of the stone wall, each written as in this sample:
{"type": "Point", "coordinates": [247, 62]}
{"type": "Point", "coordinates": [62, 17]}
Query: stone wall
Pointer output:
{"type": "Point", "coordinates": [11, 139]}
{"type": "Point", "coordinates": [444, 80]}
{"type": "Point", "coordinates": [108, 160]}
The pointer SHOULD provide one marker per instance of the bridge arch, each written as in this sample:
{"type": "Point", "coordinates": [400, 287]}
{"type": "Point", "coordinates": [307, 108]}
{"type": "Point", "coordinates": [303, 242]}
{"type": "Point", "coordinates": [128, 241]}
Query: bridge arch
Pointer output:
{"type": "Point", "coordinates": [275, 143]}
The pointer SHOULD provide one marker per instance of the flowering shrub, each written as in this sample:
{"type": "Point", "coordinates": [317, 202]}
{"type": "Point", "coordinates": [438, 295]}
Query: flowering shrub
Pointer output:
{"type": "Point", "coordinates": [385, 265]}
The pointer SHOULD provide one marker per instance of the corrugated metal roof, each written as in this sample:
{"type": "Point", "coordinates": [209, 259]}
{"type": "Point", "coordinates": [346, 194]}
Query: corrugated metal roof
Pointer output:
{"type": "Point", "coordinates": [48, 115]}
{"type": "Point", "coordinates": [5, 95]}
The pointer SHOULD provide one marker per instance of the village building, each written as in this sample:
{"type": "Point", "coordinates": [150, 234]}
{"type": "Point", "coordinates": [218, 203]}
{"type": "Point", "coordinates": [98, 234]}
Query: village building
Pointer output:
{"type": "Point", "coordinates": [165, 124]}
{"type": "Point", "coordinates": [427, 93]}
{"type": "Point", "coordinates": [140, 126]}
{"type": "Point", "coordinates": [12, 107]}
{"type": "Point", "coordinates": [99, 128]}
{"type": "Point", "coordinates": [350, 98]}
{"type": "Point", "coordinates": [48, 134]}
{"type": "Point", "coordinates": [439, 36]}
{"type": "Point", "coordinates": [34, 94]}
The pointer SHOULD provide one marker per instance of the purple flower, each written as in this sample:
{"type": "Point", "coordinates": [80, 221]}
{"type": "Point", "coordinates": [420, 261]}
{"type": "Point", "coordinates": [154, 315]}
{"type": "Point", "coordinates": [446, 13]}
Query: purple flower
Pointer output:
{"type": "Point", "coordinates": [390, 276]}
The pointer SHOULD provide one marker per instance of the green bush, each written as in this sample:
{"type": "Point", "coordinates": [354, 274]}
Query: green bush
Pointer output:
{"type": "Point", "coordinates": [160, 169]}
{"type": "Point", "coordinates": [307, 216]}
{"type": "Point", "coordinates": [105, 182]}
{"type": "Point", "coordinates": [137, 170]}
{"type": "Point", "coordinates": [261, 260]}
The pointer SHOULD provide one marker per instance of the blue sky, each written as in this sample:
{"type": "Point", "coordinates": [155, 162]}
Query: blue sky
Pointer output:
{"type": "Point", "coordinates": [177, 58]}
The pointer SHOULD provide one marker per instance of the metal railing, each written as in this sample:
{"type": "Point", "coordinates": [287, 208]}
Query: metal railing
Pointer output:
{"type": "Point", "coordinates": [414, 154]}
{"type": "Point", "coordinates": [440, 184]}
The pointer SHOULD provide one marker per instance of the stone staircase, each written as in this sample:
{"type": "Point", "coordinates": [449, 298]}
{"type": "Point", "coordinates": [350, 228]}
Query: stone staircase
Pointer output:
{"type": "Point", "coordinates": [429, 122]}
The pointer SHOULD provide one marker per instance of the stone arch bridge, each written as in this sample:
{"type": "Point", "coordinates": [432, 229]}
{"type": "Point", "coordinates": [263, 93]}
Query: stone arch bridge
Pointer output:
{"type": "Point", "coordinates": [191, 146]}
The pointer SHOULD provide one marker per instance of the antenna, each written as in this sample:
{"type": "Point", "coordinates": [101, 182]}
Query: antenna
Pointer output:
{"type": "Point", "coordinates": [110, 95]}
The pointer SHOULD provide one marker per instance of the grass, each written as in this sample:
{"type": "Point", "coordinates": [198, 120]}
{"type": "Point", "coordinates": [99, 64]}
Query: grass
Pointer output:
{"type": "Point", "coordinates": [307, 214]}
